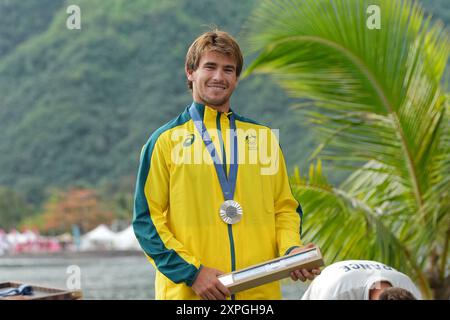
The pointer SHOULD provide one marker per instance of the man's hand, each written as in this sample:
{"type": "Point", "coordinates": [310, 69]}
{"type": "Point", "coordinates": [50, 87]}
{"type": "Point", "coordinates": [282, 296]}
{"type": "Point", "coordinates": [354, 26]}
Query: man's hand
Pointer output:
{"type": "Point", "coordinates": [208, 287]}
{"type": "Point", "coordinates": [303, 274]}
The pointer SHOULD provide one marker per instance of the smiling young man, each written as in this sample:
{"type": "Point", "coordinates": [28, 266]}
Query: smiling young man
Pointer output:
{"type": "Point", "coordinates": [215, 79]}
{"type": "Point", "coordinates": [212, 192]}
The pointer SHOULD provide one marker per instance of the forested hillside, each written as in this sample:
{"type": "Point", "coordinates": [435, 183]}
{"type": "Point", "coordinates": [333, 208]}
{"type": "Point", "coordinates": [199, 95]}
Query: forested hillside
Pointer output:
{"type": "Point", "coordinates": [76, 106]}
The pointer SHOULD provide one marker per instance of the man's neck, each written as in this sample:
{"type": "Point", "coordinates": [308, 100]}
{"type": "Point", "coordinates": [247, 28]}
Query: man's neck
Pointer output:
{"type": "Point", "coordinates": [222, 108]}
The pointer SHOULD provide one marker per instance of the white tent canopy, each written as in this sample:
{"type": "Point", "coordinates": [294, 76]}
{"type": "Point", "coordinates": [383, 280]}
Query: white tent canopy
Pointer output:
{"type": "Point", "coordinates": [98, 239]}
{"type": "Point", "coordinates": [102, 238]}
{"type": "Point", "coordinates": [15, 237]}
{"type": "Point", "coordinates": [126, 240]}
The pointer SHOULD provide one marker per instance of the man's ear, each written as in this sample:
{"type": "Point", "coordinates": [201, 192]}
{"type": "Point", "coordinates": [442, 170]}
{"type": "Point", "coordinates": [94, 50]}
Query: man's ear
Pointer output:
{"type": "Point", "coordinates": [189, 73]}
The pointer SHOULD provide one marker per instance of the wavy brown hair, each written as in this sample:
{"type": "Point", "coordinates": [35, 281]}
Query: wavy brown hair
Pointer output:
{"type": "Point", "coordinates": [218, 41]}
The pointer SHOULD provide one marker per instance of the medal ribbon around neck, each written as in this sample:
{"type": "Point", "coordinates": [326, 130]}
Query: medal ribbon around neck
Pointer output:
{"type": "Point", "coordinates": [230, 211]}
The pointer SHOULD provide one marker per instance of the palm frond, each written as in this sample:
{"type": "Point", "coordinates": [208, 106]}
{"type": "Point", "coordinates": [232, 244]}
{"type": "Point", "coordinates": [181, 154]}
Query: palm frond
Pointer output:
{"type": "Point", "coordinates": [376, 92]}
{"type": "Point", "coordinates": [378, 105]}
{"type": "Point", "coordinates": [346, 226]}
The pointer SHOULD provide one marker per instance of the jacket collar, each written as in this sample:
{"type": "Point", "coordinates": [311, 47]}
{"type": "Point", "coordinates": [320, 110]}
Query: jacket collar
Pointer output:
{"type": "Point", "coordinates": [207, 113]}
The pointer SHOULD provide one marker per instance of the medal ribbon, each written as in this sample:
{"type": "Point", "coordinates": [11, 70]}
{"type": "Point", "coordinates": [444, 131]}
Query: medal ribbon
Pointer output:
{"type": "Point", "coordinates": [228, 186]}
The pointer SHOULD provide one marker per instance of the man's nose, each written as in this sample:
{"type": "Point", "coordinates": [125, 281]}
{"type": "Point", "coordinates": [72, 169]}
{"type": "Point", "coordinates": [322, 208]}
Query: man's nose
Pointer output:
{"type": "Point", "coordinates": [218, 75]}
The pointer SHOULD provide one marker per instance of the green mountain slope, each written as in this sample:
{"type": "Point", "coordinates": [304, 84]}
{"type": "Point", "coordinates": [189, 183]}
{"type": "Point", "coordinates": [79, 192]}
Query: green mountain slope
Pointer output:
{"type": "Point", "coordinates": [76, 106]}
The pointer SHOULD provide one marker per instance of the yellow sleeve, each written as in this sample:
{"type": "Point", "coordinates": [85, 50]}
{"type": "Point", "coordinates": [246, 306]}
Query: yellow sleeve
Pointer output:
{"type": "Point", "coordinates": [149, 220]}
{"type": "Point", "coordinates": [288, 212]}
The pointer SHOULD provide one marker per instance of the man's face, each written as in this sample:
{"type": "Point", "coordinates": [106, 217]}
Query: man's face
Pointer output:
{"type": "Point", "coordinates": [214, 80]}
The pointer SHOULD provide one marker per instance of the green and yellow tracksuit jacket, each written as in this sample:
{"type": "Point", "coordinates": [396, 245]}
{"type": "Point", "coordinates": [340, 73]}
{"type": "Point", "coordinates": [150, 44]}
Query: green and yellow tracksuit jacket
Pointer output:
{"type": "Point", "coordinates": [178, 196]}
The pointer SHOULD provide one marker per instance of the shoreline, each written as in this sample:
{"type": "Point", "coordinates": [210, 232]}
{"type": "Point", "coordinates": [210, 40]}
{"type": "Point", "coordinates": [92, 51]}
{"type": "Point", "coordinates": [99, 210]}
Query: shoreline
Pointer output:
{"type": "Point", "coordinates": [63, 254]}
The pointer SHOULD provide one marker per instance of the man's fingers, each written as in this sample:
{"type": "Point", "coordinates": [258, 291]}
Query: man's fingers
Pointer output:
{"type": "Point", "coordinates": [304, 274]}
{"type": "Point", "coordinates": [206, 295]}
{"type": "Point", "coordinates": [220, 286]}
{"type": "Point", "coordinates": [209, 296]}
{"type": "Point", "coordinates": [217, 294]}
{"type": "Point", "coordinates": [223, 290]}
{"type": "Point", "coordinates": [214, 291]}
{"type": "Point", "coordinates": [208, 287]}
{"type": "Point", "coordinates": [293, 276]}
{"type": "Point", "coordinates": [307, 275]}
{"type": "Point", "coordinates": [299, 275]}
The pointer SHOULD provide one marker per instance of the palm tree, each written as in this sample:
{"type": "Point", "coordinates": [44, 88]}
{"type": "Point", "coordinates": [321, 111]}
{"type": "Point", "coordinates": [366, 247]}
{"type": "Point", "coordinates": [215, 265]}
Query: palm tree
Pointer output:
{"type": "Point", "coordinates": [378, 105]}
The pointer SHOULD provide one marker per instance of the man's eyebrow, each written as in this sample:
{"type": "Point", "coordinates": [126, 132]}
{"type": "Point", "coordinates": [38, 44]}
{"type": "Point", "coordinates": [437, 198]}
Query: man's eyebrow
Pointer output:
{"type": "Point", "coordinates": [213, 64]}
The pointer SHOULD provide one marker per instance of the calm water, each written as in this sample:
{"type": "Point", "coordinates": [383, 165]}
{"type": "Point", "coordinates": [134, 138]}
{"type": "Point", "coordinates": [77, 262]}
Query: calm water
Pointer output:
{"type": "Point", "coordinates": [103, 275]}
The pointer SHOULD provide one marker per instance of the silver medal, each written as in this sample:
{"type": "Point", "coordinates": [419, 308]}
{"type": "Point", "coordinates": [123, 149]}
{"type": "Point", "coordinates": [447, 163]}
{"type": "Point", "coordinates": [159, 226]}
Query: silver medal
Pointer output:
{"type": "Point", "coordinates": [231, 212]}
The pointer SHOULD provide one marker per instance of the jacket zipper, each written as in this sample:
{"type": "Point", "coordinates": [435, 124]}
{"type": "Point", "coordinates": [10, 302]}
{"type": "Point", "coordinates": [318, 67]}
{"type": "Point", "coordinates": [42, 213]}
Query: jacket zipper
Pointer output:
{"type": "Point", "coordinates": [230, 228]}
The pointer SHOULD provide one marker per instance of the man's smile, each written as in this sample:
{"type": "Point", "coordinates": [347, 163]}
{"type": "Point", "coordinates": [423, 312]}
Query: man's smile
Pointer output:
{"type": "Point", "coordinates": [217, 86]}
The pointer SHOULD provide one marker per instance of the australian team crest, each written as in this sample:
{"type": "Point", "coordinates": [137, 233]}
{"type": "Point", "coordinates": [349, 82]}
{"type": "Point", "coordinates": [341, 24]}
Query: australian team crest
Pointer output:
{"type": "Point", "coordinates": [250, 140]}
